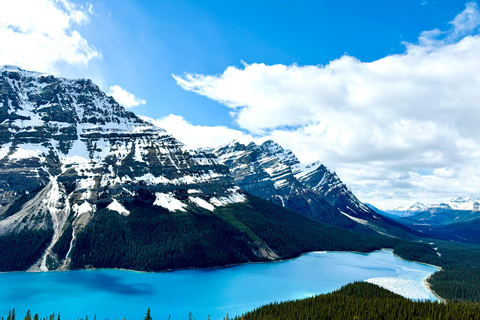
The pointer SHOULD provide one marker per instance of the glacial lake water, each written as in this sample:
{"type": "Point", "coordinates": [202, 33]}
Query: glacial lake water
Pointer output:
{"type": "Point", "coordinates": [111, 294]}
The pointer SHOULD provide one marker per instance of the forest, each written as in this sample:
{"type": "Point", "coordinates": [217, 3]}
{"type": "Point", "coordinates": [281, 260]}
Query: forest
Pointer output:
{"type": "Point", "coordinates": [153, 239]}
{"type": "Point", "coordinates": [361, 301]}
{"type": "Point", "coordinates": [459, 279]}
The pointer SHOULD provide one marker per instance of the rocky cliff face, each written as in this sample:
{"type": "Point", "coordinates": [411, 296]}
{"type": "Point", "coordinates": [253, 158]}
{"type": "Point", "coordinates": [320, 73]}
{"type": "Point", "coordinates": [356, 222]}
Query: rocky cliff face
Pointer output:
{"type": "Point", "coordinates": [270, 172]}
{"type": "Point", "coordinates": [67, 149]}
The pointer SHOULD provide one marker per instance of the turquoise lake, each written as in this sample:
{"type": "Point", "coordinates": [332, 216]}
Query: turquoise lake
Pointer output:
{"type": "Point", "coordinates": [111, 294]}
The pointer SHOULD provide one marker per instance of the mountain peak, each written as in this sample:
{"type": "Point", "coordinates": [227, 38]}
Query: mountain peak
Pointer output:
{"type": "Point", "coordinates": [460, 203]}
{"type": "Point", "coordinates": [271, 172]}
{"type": "Point", "coordinates": [22, 72]}
{"type": "Point", "coordinates": [67, 141]}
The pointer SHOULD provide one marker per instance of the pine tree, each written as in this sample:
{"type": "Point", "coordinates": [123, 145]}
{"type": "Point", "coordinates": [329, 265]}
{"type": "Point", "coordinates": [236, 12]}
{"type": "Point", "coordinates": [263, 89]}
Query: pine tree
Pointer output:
{"type": "Point", "coordinates": [190, 315]}
{"type": "Point", "coordinates": [28, 316]}
{"type": "Point", "coordinates": [147, 315]}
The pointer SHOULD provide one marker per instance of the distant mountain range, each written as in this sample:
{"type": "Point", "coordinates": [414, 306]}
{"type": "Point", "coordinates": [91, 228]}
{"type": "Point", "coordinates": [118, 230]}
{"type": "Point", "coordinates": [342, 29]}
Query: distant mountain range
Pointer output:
{"type": "Point", "coordinates": [457, 219]}
{"type": "Point", "coordinates": [460, 203]}
{"type": "Point", "coordinates": [85, 183]}
{"type": "Point", "coordinates": [407, 210]}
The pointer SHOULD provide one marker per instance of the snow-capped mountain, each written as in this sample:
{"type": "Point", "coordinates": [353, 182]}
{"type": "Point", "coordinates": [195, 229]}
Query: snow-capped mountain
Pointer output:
{"type": "Point", "coordinates": [273, 173]}
{"type": "Point", "coordinates": [416, 207]}
{"type": "Point", "coordinates": [456, 219]}
{"type": "Point", "coordinates": [460, 203]}
{"type": "Point", "coordinates": [68, 149]}
{"type": "Point", "coordinates": [407, 210]}
{"type": "Point", "coordinates": [85, 183]}
{"type": "Point", "coordinates": [457, 210]}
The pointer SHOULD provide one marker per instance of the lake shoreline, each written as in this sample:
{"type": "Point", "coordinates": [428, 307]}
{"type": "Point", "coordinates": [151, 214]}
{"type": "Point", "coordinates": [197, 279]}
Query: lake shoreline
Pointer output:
{"type": "Point", "coordinates": [425, 282]}
{"type": "Point", "coordinates": [232, 290]}
{"type": "Point", "coordinates": [427, 285]}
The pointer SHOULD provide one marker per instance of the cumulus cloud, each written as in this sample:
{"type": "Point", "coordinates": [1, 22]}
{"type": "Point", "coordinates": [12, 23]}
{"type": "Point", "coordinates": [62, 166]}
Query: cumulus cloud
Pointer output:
{"type": "Point", "coordinates": [40, 34]}
{"type": "Point", "coordinates": [196, 136]}
{"type": "Point", "coordinates": [125, 98]}
{"type": "Point", "coordinates": [401, 127]}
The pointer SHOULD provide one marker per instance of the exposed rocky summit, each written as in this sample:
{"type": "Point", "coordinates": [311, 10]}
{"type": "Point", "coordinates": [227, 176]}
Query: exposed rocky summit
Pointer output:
{"type": "Point", "coordinates": [273, 173]}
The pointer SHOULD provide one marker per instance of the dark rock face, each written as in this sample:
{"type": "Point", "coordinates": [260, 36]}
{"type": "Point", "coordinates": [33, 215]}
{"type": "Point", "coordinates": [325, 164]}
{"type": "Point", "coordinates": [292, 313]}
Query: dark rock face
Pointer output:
{"type": "Point", "coordinates": [270, 172]}
{"type": "Point", "coordinates": [69, 148]}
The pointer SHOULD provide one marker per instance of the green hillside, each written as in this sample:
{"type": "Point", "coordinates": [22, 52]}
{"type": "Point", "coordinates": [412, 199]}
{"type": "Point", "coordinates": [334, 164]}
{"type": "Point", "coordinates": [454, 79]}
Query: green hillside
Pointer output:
{"type": "Point", "coordinates": [363, 301]}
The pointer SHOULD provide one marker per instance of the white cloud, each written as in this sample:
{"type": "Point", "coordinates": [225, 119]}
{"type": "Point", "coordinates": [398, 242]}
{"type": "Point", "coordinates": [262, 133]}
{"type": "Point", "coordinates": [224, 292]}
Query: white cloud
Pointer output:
{"type": "Point", "coordinates": [125, 98]}
{"type": "Point", "coordinates": [40, 34]}
{"type": "Point", "coordinates": [195, 136]}
{"type": "Point", "coordinates": [380, 125]}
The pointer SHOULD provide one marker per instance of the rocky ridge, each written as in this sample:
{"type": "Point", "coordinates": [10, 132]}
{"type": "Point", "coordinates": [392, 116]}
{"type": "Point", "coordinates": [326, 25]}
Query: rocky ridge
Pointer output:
{"type": "Point", "coordinates": [273, 173]}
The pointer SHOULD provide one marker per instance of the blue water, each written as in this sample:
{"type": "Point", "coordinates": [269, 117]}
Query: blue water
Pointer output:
{"type": "Point", "coordinates": [116, 293]}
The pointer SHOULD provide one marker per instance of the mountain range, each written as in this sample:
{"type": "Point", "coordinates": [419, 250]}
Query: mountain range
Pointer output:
{"type": "Point", "coordinates": [85, 183]}
{"type": "Point", "coordinates": [272, 173]}
{"type": "Point", "coordinates": [456, 219]}
{"type": "Point", "coordinates": [460, 203]}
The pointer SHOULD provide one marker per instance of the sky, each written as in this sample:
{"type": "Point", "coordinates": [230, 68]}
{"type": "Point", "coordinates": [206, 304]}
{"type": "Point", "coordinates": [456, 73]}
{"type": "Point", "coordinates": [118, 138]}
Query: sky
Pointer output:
{"type": "Point", "coordinates": [385, 93]}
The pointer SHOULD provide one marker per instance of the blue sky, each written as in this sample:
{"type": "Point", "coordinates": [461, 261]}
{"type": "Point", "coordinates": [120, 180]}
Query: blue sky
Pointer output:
{"type": "Point", "coordinates": [383, 92]}
{"type": "Point", "coordinates": [144, 42]}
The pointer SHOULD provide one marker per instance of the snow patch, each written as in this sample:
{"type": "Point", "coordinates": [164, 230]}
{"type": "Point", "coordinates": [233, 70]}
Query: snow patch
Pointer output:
{"type": "Point", "coordinates": [28, 150]}
{"type": "Point", "coordinates": [150, 179]}
{"type": "Point", "coordinates": [4, 149]}
{"type": "Point", "coordinates": [358, 220]}
{"type": "Point", "coordinates": [372, 226]}
{"type": "Point", "coordinates": [169, 202]}
{"type": "Point", "coordinates": [86, 195]}
{"type": "Point", "coordinates": [117, 206]}
{"type": "Point", "coordinates": [83, 208]}
{"type": "Point", "coordinates": [234, 197]}
{"type": "Point", "coordinates": [201, 203]}
{"type": "Point", "coordinates": [88, 183]}
{"type": "Point", "coordinates": [301, 170]}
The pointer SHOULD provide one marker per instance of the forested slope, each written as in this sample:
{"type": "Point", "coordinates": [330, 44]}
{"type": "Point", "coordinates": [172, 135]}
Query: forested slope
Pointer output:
{"type": "Point", "coordinates": [363, 300]}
